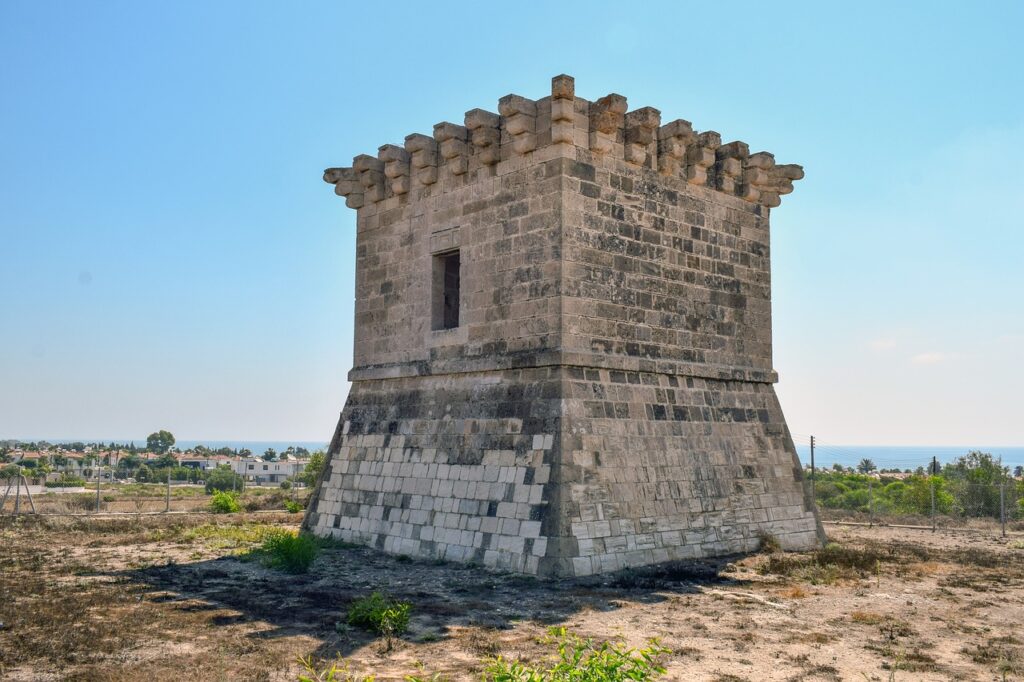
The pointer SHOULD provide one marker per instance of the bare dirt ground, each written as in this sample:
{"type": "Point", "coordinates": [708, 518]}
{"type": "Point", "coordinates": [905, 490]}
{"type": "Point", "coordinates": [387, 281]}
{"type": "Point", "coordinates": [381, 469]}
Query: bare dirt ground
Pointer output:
{"type": "Point", "coordinates": [145, 498]}
{"type": "Point", "coordinates": [142, 598]}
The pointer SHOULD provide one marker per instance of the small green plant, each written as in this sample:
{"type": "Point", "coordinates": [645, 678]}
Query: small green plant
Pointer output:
{"type": "Point", "coordinates": [292, 506]}
{"type": "Point", "coordinates": [289, 551]}
{"type": "Point", "coordinates": [581, 660]}
{"type": "Point", "coordinates": [224, 502]}
{"type": "Point", "coordinates": [380, 613]}
{"type": "Point", "coordinates": [334, 672]}
{"type": "Point", "coordinates": [769, 544]}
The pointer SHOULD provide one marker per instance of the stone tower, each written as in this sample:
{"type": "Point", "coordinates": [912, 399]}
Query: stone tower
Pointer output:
{"type": "Point", "coordinates": [563, 359]}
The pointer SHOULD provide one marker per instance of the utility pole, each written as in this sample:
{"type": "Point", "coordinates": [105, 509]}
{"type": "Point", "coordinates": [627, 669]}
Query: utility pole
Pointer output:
{"type": "Point", "coordinates": [935, 469]}
{"type": "Point", "coordinates": [167, 503]}
{"type": "Point", "coordinates": [97, 486]}
{"type": "Point", "coordinates": [813, 473]}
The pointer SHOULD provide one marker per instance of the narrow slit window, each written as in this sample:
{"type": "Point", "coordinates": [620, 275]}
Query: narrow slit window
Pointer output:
{"type": "Point", "coordinates": [446, 290]}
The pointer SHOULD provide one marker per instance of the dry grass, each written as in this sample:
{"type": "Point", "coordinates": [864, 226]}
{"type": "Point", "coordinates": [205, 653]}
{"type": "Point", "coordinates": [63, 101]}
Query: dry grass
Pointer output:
{"type": "Point", "coordinates": [794, 592]}
{"type": "Point", "coordinates": [156, 597]}
{"type": "Point", "coordinates": [866, 617]}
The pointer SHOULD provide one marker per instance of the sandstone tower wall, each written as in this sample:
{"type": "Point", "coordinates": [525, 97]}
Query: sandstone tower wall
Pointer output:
{"type": "Point", "coordinates": [563, 345]}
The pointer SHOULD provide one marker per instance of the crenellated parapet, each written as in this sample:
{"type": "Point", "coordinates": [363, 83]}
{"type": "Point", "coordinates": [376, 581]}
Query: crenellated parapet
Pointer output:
{"type": "Point", "coordinates": [492, 143]}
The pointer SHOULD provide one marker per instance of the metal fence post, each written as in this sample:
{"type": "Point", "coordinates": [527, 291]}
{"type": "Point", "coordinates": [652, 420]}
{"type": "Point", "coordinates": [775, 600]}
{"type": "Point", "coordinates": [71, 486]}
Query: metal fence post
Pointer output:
{"type": "Point", "coordinates": [1002, 506]}
{"type": "Point", "coordinates": [871, 506]}
{"type": "Point", "coordinates": [931, 487]}
{"type": "Point", "coordinates": [28, 494]}
{"type": "Point", "coordinates": [814, 498]}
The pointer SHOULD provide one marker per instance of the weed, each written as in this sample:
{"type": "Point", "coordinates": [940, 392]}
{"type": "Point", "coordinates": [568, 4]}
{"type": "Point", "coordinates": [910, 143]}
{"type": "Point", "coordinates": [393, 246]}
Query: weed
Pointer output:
{"type": "Point", "coordinates": [827, 565]}
{"type": "Point", "coordinates": [866, 617]}
{"type": "Point", "coordinates": [224, 536]}
{"type": "Point", "coordinates": [225, 502]}
{"type": "Point", "coordinates": [769, 544]}
{"type": "Point", "coordinates": [998, 651]}
{"type": "Point", "coordinates": [288, 551]}
{"type": "Point", "coordinates": [293, 507]}
{"type": "Point", "coordinates": [380, 613]}
{"type": "Point", "coordinates": [580, 659]}
{"type": "Point", "coordinates": [334, 672]}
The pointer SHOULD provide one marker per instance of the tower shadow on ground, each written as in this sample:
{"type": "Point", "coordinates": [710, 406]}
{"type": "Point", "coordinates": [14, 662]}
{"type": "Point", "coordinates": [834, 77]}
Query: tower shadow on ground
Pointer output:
{"type": "Point", "coordinates": [443, 596]}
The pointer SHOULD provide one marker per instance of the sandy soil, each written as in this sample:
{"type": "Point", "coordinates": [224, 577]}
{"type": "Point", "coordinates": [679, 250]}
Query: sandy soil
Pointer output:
{"type": "Point", "coordinates": [148, 598]}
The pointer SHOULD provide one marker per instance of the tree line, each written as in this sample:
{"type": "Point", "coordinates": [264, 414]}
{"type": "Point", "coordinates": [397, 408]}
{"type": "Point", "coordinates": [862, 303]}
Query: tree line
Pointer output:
{"type": "Point", "coordinates": [968, 486]}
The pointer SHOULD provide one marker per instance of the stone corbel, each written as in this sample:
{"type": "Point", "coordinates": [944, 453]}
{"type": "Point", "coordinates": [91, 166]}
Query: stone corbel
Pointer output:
{"type": "Point", "coordinates": [396, 167]}
{"type": "Point", "coordinates": [700, 156]}
{"type": "Point", "coordinates": [520, 122]}
{"type": "Point", "coordinates": [673, 139]}
{"type": "Point", "coordinates": [485, 135]}
{"type": "Point", "coordinates": [606, 119]}
{"type": "Point", "coordinates": [563, 108]}
{"type": "Point", "coordinates": [423, 157]}
{"type": "Point", "coordinates": [451, 139]}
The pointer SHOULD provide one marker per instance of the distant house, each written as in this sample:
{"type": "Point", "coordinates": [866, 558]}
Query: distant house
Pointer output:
{"type": "Point", "coordinates": [258, 471]}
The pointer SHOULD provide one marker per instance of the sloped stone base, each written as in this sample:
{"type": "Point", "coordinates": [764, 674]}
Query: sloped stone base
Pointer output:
{"type": "Point", "coordinates": [561, 471]}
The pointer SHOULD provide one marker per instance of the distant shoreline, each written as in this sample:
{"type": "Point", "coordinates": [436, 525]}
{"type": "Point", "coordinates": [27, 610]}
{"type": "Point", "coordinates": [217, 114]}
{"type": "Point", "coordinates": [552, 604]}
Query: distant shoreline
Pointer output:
{"type": "Point", "coordinates": [256, 446]}
{"type": "Point", "coordinates": [884, 456]}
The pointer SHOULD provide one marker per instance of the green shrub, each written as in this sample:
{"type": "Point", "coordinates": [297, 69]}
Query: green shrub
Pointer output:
{"type": "Point", "coordinates": [225, 502]}
{"type": "Point", "coordinates": [286, 485]}
{"type": "Point", "coordinates": [380, 613]}
{"type": "Point", "coordinates": [66, 481]}
{"type": "Point", "coordinates": [289, 551]}
{"type": "Point", "coordinates": [223, 478]}
{"type": "Point", "coordinates": [580, 660]}
{"type": "Point", "coordinates": [292, 506]}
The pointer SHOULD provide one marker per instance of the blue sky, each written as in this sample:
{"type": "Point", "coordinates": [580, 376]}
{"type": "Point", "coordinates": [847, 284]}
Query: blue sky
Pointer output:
{"type": "Point", "coordinates": [171, 258]}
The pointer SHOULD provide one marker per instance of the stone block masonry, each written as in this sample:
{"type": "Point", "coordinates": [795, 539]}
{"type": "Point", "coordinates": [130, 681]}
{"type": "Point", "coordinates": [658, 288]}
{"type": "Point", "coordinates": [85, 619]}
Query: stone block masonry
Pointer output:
{"type": "Point", "coordinates": [563, 345]}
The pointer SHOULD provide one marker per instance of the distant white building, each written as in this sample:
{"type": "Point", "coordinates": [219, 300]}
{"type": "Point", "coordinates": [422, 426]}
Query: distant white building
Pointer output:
{"type": "Point", "coordinates": [257, 471]}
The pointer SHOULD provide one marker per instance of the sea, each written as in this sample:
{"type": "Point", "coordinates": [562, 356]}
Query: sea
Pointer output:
{"type": "Point", "coordinates": [903, 456]}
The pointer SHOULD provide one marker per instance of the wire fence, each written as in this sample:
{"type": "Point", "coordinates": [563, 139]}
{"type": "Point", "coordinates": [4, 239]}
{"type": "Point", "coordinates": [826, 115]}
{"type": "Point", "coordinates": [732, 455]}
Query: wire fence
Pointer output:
{"type": "Point", "coordinates": [926, 487]}
{"type": "Point", "coordinates": [103, 493]}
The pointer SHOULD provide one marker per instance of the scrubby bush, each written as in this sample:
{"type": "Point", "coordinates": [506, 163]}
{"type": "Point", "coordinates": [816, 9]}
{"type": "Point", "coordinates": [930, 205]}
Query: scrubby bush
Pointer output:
{"type": "Point", "coordinates": [314, 466]}
{"type": "Point", "coordinates": [67, 481]}
{"type": "Point", "coordinates": [286, 485]}
{"type": "Point", "coordinates": [225, 502]}
{"type": "Point", "coordinates": [293, 507]}
{"type": "Point", "coordinates": [289, 551]}
{"type": "Point", "coordinates": [264, 499]}
{"type": "Point", "coordinates": [223, 478]}
{"type": "Point", "coordinates": [380, 613]}
{"type": "Point", "coordinates": [858, 492]}
{"type": "Point", "coordinates": [581, 660]}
